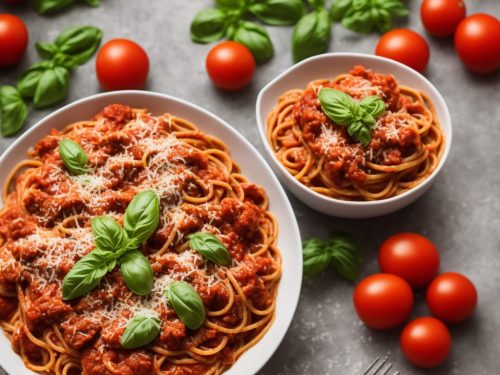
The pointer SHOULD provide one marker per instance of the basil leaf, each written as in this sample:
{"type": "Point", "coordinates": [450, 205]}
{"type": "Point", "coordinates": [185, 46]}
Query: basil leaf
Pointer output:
{"type": "Point", "coordinates": [140, 331]}
{"type": "Point", "coordinates": [86, 274]}
{"type": "Point", "coordinates": [256, 39]}
{"type": "Point", "coordinates": [108, 234]}
{"type": "Point", "coordinates": [52, 6]}
{"type": "Point", "coordinates": [141, 217]}
{"type": "Point", "coordinates": [79, 43]}
{"type": "Point", "coordinates": [278, 12]}
{"type": "Point", "coordinates": [345, 255]}
{"type": "Point", "coordinates": [360, 21]}
{"type": "Point", "coordinates": [230, 4]}
{"type": "Point", "coordinates": [337, 105]}
{"type": "Point", "coordinates": [28, 82]}
{"type": "Point", "coordinates": [73, 156]}
{"type": "Point", "coordinates": [208, 26]}
{"type": "Point", "coordinates": [46, 50]}
{"type": "Point", "coordinates": [93, 3]}
{"type": "Point", "coordinates": [52, 87]}
{"type": "Point", "coordinates": [210, 247]}
{"type": "Point", "coordinates": [393, 7]}
{"type": "Point", "coordinates": [186, 303]}
{"type": "Point", "coordinates": [311, 35]}
{"type": "Point", "coordinates": [316, 257]}
{"type": "Point", "coordinates": [13, 111]}
{"type": "Point", "coordinates": [137, 272]}
{"type": "Point", "coordinates": [339, 9]}
{"type": "Point", "coordinates": [373, 105]}
{"type": "Point", "coordinates": [360, 132]}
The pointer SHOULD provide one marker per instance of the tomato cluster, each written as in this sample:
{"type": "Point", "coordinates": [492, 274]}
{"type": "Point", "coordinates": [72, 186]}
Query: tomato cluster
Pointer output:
{"type": "Point", "coordinates": [477, 37]}
{"type": "Point", "coordinates": [385, 300]}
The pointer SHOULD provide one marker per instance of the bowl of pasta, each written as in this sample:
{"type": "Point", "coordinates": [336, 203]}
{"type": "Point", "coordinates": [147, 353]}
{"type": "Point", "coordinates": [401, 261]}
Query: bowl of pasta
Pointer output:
{"type": "Point", "coordinates": [141, 233]}
{"type": "Point", "coordinates": [354, 135]}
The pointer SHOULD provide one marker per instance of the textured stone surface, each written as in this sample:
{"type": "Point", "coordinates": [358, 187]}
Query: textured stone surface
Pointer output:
{"type": "Point", "coordinates": [460, 213]}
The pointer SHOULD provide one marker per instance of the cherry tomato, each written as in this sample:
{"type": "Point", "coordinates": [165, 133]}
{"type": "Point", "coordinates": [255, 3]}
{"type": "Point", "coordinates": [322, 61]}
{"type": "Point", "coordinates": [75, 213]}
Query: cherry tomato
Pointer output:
{"type": "Point", "coordinates": [383, 301]}
{"type": "Point", "coordinates": [441, 17]}
{"type": "Point", "coordinates": [477, 42]}
{"type": "Point", "coordinates": [122, 64]}
{"type": "Point", "coordinates": [411, 257]}
{"type": "Point", "coordinates": [426, 342]}
{"type": "Point", "coordinates": [230, 65]}
{"type": "Point", "coordinates": [405, 46]}
{"type": "Point", "coordinates": [452, 297]}
{"type": "Point", "coordinates": [13, 40]}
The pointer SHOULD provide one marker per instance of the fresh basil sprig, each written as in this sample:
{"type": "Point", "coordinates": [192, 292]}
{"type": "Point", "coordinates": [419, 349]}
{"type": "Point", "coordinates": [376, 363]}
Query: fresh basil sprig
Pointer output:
{"type": "Point", "coordinates": [54, 6]}
{"type": "Point", "coordinates": [340, 251]}
{"type": "Point", "coordinates": [140, 331]}
{"type": "Point", "coordinates": [13, 111]}
{"type": "Point", "coordinates": [255, 38]}
{"type": "Point", "coordinates": [277, 12]}
{"type": "Point", "coordinates": [363, 16]}
{"type": "Point", "coordinates": [186, 303]}
{"type": "Point", "coordinates": [73, 156]}
{"type": "Point", "coordinates": [117, 245]}
{"type": "Point", "coordinates": [209, 25]}
{"type": "Point", "coordinates": [358, 117]}
{"type": "Point", "coordinates": [311, 35]}
{"type": "Point", "coordinates": [210, 247]}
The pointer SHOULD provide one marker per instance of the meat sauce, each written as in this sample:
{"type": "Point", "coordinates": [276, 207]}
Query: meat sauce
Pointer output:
{"type": "Point", "coordinates": [94, 323]}
{"type": "Point", "coordinates": [394, 136]}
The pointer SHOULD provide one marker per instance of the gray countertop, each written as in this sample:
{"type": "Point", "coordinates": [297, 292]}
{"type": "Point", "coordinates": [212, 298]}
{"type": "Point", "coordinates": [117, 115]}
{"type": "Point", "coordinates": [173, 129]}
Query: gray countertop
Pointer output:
{"type": "Point", "coordinates": [460, 213]}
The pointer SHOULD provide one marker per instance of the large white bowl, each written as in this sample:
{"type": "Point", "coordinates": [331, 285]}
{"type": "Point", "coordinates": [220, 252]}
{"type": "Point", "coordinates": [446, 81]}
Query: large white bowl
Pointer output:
{"type": "Point", "coordinates": [253, 166]}
{"type": "Point", "coordinates": [328, 66]}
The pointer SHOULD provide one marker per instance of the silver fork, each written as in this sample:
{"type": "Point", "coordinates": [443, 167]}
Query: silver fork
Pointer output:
{"type": "Point", "coordinates": [379, 367]}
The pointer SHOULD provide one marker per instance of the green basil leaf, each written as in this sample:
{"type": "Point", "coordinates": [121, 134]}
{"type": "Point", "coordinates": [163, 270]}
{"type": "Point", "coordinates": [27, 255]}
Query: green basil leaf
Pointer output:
{"type": "Point", "coordinates": [360, 132]}
{"type": "Point", "coordinates": [140, 331]}
{"type": "Point", "coordinates": [52, 6]}
{"type": "Point", "coordinates": [337, 105]}
{"type": "Point", "coordinates": [108, 234]}
{"type": "Point", "coordinates": [345, 255]}
{"type": "Point", "coordinates": [210, 247]}
{"type": "Point", "coordinates": [230, 4]}
{"type": "Point", "coordinates": [52, 87]}
{"type": "Point", "coordinates": [316, 256]}
{"type": "Point", "coordinates": [13, 111]}
{"type": "Point", "coordinates": [186, 303]}
{"type": "Point", "coordinates": [278, 12]}
{"type": "Point", "coordinates": [73, 156]}
{"type": "Point", "coordinates": [86, 274]}
{"type": "Point", "coordinates": [311, 35]}
{"type": "Point", "coordinates": [79, 43]}
{"type": "Point", "coordinates": [28, 82]}
{"type": "Point", "coordinates": [360, 21]}
{"type": "Point", "coordinates": [256, 39]}
{"type": "Point", "coordinates": [317, 3]}
{"type": "Point", "coordinates": [373, 105]}
{"type": "Point", "coordinates": [339, 9]}
{"type": "Point", "coordinates": [395, 7]}
{"type": "Point", "coordinates": [137, 272]}
{"type": "Point", "coordinates": [142, 217]}
{"type": "Point", "coordinates": [46, 50]}
{"type": "Point", "coordinates": [93, 3]}
{"type": "Point", "coordinates": [209, 25]}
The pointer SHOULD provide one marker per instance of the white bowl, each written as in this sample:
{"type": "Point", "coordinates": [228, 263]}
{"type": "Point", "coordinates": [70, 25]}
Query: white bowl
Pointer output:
{"type": "Point", "coordinates": [328, 66]}
{"type": "Point", "coordinates": [253, 166]}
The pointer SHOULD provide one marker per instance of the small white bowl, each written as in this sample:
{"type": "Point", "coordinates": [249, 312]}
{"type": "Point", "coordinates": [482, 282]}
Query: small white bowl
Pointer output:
{"type": "Point", "coordinates": [328, 66]}
{"type": "Point", "coordinates": [253, 166]}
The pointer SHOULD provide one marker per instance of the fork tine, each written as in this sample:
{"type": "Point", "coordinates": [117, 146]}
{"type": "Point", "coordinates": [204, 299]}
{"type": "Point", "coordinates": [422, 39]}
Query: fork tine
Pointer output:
{"type": "Point", "coordinates": [381, 365]}
{"type": "Point", "coordinates": [371, 366]}
{"type": "Point", "coordinates": [387, 369]}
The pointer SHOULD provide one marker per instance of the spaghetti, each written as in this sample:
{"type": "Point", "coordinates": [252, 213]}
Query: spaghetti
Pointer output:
{"type": "Point", "coordinates": [407, 141]}
{"type": "Point", "coordinates": [45, 229]}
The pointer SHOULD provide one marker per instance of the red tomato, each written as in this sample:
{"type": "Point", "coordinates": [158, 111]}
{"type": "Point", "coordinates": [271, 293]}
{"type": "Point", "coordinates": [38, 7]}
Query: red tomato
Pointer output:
{"type": "Point", "coordinates": [13, 40]}
{"type": "Point", "coordinates": [452, 297]}
{"type": "Point", "coordinates": [411, 257]}
{"type": "Point", "coordinates": [441, 17]}
{"type": "Point", "coordinates": [122, 64]}
{"type": "Point", "coordinates": [383, 301]}
{"type": "Point", "coordinates": [477, 42]}
{"type": "Point", "coordinates": [230, 65]}
{"type": "Point", "coordinates": [405, 46]}
{"type": "Point", "coordinates": [426, 342]}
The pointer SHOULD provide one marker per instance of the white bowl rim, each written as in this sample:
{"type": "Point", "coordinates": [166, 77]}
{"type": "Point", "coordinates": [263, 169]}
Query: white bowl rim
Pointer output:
{"type": "Point", "coordinates": [340, 202]}
{"type": "Point", "coordinates": [288, 313]}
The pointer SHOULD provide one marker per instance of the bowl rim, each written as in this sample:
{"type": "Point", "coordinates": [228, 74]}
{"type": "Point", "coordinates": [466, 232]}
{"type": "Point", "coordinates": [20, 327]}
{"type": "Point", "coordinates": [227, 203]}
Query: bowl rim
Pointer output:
{"type": "Point", "coordinates": [288, 312]}
{"type": "Point", "coordinates": [339, 202]}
